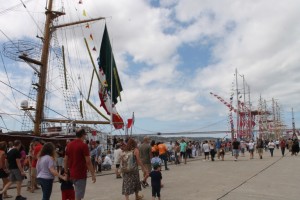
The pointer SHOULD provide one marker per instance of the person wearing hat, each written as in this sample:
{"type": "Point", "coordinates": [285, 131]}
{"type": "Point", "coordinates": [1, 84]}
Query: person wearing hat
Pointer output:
{"type": "Point", "coordinates": [37, 147]}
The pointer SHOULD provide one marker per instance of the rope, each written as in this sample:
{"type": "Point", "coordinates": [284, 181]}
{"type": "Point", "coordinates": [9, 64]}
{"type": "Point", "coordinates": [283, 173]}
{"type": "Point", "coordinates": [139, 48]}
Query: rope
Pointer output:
{"type": "Point", "coordinates": [8, 78]}
{"type": "Point", "coordinates": [33, 99]}
{"type": "Point", "coordinates": [13, 7]}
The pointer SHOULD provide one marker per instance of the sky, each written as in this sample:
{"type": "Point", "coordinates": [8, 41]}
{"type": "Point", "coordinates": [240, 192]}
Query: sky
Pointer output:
{"type": "Point", "coordinates": [172, 53]}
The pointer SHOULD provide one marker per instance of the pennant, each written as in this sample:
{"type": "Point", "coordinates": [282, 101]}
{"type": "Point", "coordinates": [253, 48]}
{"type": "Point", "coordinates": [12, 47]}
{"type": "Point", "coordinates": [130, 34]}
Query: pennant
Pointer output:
{"type": "Point", "coordinates": [84, 13]}
{"type": "Point", "coordinates": [94, 49]}
{"type": "Point", "coordinates": [91, 36]}
{"type": "Point", "coordinates": [87, 25]}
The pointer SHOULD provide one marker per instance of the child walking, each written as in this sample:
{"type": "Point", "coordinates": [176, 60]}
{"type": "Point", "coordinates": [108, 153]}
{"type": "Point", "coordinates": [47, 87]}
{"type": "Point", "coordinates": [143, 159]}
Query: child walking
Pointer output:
{"type": "Point", "coordinates": [67, 189]}
{"type": "Point", "coordinates": [156, 178]}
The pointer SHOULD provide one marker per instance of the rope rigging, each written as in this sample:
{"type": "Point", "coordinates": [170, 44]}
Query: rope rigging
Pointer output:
{"type": "Point", "coordinates": [4, 66]}
{"type": "Point", "coordinates": [32, 99]}
{"type": "Point", "coordinates": [73, 47]}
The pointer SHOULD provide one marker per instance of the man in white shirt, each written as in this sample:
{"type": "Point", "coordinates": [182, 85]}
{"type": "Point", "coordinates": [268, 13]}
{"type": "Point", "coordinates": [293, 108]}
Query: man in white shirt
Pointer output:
{"type": "Point", "coordinates": [106, 162]}
{"type": "Point", "coordinates": [251, 148]}
{"type": "Point", "coordinates": [206, 150]}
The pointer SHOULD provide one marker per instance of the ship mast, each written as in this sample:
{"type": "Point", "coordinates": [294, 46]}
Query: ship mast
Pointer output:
{"type": "Point", "coordinates": [48, 30]}
{"type": "Point", "coordinates": [39, 115]}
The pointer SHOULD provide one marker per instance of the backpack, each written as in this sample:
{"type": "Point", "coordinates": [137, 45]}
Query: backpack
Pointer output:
{"type": "Point", "coordinates": [128, 162]}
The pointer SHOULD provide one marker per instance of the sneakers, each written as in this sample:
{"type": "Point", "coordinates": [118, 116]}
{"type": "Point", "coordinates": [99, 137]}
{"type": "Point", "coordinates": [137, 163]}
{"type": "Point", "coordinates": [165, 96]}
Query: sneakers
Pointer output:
{"type": "Point", "coordinates": [20, 198]}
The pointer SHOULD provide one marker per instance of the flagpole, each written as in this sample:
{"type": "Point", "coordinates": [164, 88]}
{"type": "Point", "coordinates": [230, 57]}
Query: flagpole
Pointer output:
{"type": "Point", "coordinates": [111, 89]}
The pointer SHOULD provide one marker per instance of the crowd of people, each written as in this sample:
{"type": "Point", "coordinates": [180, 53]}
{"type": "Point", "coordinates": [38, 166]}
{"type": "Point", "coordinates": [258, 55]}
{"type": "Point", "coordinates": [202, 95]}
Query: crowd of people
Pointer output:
{"type": "Point", "coordinates": [72, 162]}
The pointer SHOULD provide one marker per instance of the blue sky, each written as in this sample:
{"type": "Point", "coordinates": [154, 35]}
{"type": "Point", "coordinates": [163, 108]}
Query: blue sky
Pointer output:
{"type": "Point", "coordinates": [172, 53]}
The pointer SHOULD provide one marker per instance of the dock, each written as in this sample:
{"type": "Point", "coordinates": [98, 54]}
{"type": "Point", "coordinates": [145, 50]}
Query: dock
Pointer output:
{"type": "Point", "coordinates": [270, 178]}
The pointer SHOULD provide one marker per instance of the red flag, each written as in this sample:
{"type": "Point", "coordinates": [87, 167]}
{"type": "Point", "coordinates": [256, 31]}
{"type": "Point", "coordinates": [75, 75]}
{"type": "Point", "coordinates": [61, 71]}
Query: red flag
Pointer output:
{"type": "Point", "coordinates": [130, 122]}
{"type": "Point", "coordinates": [94, 133]}
{"type": "Point", "coordinates": [117, 121]}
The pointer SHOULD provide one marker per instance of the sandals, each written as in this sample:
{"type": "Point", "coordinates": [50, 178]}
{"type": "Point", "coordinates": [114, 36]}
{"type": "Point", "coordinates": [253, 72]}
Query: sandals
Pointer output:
{"type": "Point", "coordinates": [139, 197]}
{"type": "Point", "coordinates": [144, 184]}
{"type": "Point", "coordinates": [119, 176]}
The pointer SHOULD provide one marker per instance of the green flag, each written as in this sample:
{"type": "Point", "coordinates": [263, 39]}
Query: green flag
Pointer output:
{"type": "Point", "coordinates": [106, 61]}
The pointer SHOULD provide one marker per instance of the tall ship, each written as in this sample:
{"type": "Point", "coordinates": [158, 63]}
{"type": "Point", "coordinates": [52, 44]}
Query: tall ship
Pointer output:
{"type": "Point", "coordinates": [74, 78]}
{"type": "Point", "coordinates": [249, 121]}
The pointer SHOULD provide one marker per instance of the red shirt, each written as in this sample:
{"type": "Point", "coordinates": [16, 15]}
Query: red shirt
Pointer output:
{"type": "Point", "coordinates": [76, 151]}
{"type": "Point", "coordinates": [36, 151]}
{"type": "Point", "coordinates": [282, 144]}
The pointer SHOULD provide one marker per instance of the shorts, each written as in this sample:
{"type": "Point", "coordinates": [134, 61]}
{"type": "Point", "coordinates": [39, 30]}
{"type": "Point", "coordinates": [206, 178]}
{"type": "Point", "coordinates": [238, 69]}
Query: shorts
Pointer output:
{"type": "Point", "coordinates": [260, 150]}
{"type": "Point", "coordinates": [235, 152]}
{"type": "Point", "coordinates": [60, 161]}
{"type": "Point", "coordinates": [15, 175]}
{"type": "Point", "coordinates": [206, 153]}
{"type": "Point", "coordinates": [183, 154]}
{"type": "Point", "coordinates": [251, 150]}
{"type": "Point", "coordinates": [155, 191]}
{"type": "Point", "coordinates": [221, 152]}
{"type": "Point", "coordinates": [3, 174]}
{"type": "Point", "coordinates": [80, 185]}
{"type": "Point", "coordinates": [117, 166]}
{"type": "Point", "coordinates": [68, 194]}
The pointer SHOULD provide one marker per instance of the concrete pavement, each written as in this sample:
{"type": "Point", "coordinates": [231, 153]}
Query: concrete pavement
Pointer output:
{"type": "Point", "coordinates": [272, 178]}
